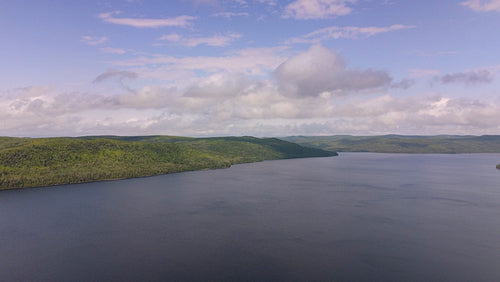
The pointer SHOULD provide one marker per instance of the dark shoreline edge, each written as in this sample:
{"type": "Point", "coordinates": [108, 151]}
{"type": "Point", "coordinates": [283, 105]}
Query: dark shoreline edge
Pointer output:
{"type": "Point", "coordinates": [153, 175]}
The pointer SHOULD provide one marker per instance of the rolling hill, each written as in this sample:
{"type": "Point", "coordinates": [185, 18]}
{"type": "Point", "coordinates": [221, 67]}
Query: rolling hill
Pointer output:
{"type": "Point", "coordinates": [33, 162]}
{"type": "Point", "coordinates": [445, 144]}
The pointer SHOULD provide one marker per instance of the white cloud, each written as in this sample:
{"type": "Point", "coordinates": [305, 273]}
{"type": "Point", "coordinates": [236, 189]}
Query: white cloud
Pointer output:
{"type": "Point", "coordinates": [230, 14]}
{"type": "Point", "coordinates": [110, 50]}
{"type": "Point", "coordinates": [483, 5]}
{"type": "Point", "coordinates": [350, 32]}
{"type": "Point", "coordinates": [247, 107]}
{"type": "Point", "coordinates": [320, 69]}
{"type": "Point", "coordinates": [93, 40]}
{"type": "Point", "coordinates": [179, 21]}
{"type": "Point", "coordinates": [171, 37]}
{"type": "Point", "coordinates": [317, 9]}
{"type": "Point", "coordinates": [310, 93]}
{"type": "Point", "coordinates": [217, 40]}
{"type": "Point", "coordinates": [148, 97]}
{"type": "Point", "coordinates": [218, 85]}
{"type": "Point", "coordinates": [251, 61]}
{"type": "Point", "coordinates": [269, 2]}
{"type": "Point", "coordinates": [27, 92]}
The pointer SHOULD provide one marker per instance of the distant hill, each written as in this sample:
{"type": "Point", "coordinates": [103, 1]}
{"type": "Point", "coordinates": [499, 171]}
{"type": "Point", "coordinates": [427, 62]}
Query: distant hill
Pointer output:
{"type": "Point", "coordinates": [444, 144]}
{"type": "Point", "coordinates": [33, 162]}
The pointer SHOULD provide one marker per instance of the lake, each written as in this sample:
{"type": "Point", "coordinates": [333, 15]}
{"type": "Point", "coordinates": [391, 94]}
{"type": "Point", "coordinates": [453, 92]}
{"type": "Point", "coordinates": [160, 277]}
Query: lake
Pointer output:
{"type": "Point", "coordinates": [355, 217]}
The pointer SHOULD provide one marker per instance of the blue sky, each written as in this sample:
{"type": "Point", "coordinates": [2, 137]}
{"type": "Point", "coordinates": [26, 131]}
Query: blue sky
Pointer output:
{"type": "Point", "coordinates": [249, 67]}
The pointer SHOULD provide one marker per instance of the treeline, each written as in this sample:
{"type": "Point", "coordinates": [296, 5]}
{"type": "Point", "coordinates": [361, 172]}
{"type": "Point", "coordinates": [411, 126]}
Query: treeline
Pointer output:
{"type": "Point", "coordinates": [27, 162]}
{"type": "Point", "coordinates": [444, 144]}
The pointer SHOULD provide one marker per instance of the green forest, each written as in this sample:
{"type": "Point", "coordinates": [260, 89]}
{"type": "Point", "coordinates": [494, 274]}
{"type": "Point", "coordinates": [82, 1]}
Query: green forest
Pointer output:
{"type": "Point", "coordinates": [445, 144]}
{"type": "Point", "coordinates": [34, 162]}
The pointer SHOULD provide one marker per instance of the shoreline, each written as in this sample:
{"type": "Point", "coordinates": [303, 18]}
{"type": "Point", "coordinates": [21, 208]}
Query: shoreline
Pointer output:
{"type": "Point", "coordinates": [152, 175]}
{"type": "Point", "coordinates": [42, 162]}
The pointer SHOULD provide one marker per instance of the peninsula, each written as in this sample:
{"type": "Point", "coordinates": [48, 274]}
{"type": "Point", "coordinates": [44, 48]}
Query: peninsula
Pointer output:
{"type": "Point", "coordinates": [35, 162]}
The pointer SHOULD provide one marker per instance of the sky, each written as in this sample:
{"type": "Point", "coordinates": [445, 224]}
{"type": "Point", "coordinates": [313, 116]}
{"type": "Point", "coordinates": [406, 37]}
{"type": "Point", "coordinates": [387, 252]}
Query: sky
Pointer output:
{"type": "Point", "coordinates": [249, 67]}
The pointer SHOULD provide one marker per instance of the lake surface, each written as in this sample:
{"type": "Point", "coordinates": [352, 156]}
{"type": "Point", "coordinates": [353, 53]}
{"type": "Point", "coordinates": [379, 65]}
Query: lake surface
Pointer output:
{"type": "Point", "coordinates": [356, 217]}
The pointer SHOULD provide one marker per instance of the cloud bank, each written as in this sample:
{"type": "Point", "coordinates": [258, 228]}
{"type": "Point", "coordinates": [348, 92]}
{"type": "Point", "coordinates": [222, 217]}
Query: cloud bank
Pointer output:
{"type": "Point", "coordinates": [311, 92]}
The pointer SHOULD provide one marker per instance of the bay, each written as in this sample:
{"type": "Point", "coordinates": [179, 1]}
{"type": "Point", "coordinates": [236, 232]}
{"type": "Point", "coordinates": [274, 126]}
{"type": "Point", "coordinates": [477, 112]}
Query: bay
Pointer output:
{"type": "Point", "coordinates": [355, 217]}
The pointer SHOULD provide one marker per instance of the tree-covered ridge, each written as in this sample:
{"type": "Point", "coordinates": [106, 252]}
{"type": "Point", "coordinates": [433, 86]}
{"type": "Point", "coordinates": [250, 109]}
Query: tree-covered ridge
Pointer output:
{"type": "Point", "coordinates": [27, 162]}
{"type": "Point", "coordinates": [402, 144]}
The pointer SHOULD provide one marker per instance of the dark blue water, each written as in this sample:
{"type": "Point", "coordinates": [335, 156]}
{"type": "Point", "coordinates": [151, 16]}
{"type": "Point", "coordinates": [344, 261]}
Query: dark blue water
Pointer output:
{"type": "Point", "coordinates": [356, 217]}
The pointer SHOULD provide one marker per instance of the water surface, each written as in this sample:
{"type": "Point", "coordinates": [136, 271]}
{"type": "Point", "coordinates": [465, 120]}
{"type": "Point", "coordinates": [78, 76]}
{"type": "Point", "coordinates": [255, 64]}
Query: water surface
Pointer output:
{"type": "Point", "coordinates": [356, 217]}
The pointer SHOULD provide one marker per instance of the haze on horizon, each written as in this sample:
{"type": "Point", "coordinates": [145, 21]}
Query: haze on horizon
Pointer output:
{"type": "Point", "coordinates": [249, 67]}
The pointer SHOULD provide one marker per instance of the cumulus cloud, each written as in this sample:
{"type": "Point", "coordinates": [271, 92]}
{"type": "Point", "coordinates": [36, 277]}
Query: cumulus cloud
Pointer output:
{"type": "Point", "coordinates": [35, 104]}
{"type": "Point", "coordinates": [94, 40]}
{"type": "Point", "coordinates": [482, 5]}
{"type": "Point", "coordinates": [317, 9]}
{"type": "Point", "coordinates": [148, 97]}
{"type": "Point", "coordinates": [320, 69]}
{"type": "Point", "coordinates": [308, 93]}
{"type": "Point", "coordinates": [217, 40]}
{"type": "Point", "coordinates": [467, 78]}
{"type": "Point", "coordinates": [233, 98]}
{"type": "Point", "coordinates": [256, 107]}
{"type": "Point", "coordinates": [218, 85]}
{"type": "Point", "coordinates": [350, 32]}
{"type": "Point", "coordinates": [179, 21]}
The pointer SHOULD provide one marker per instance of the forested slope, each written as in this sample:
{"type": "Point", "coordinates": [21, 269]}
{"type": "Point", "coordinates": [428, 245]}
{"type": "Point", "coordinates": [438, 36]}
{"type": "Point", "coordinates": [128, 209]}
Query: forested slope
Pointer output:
{"type": "Point", "coordinates": [402, 144]}
{"type": "Point", "coordinates": [32, 162]}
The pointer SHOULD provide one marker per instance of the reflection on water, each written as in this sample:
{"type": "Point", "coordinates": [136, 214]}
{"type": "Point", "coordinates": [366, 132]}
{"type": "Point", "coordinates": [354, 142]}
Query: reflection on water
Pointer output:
{"type": "Point", "coordinates": [356, 217]}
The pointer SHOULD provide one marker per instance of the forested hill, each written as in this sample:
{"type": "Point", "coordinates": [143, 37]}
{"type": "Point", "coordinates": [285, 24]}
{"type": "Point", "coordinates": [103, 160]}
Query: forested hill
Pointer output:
{"type": "Point", "coordinates": [402, 144]}
{"type": "Point", "coordinates": [32, 162]}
